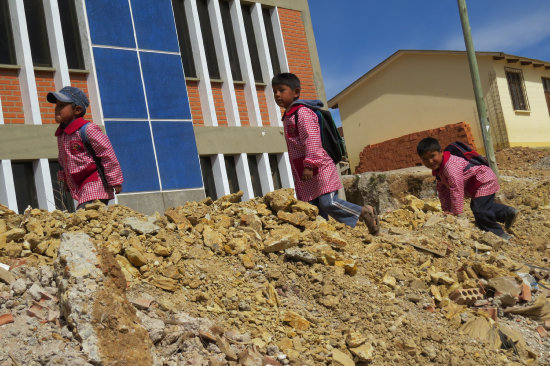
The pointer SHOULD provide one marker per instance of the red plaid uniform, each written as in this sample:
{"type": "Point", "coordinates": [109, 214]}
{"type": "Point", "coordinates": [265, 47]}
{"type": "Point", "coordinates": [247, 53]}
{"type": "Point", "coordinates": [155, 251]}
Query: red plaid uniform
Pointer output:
{"type": "Point", "coordinates": [306, 150]}
{"type": "Point", "coordinates": [79, 172]}
{"type": "Point", "coordinates": [454, 183]}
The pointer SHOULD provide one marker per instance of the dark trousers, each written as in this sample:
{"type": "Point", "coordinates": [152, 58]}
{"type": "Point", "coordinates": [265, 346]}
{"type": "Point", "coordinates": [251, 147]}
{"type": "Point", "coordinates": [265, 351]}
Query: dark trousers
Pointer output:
{"type": "Point", "coordinates": [488, 213]}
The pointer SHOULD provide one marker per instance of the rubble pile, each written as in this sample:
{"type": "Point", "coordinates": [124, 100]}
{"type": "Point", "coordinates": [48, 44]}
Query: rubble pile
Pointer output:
{"type": "Point", "coordinates": [268, 282]}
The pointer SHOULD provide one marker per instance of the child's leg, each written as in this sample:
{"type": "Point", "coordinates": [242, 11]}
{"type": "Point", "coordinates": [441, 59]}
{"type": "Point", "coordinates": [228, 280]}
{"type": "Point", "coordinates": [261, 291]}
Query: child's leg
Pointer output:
{"type": "Point", "coordinates": [342, 211]}
{"type": "Point", "coordinates": [322, 213]}
{"type": "Point", "coordinates": [485, 214]}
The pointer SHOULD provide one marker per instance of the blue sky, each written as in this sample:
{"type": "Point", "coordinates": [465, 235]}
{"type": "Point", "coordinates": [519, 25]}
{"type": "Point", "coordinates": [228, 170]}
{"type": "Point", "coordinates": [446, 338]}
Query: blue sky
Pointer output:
{"type": "Point", "coordinates": [356, 35]}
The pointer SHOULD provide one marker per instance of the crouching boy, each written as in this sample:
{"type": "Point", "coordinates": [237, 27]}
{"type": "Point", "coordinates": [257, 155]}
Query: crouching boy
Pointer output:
{"type": "Point", "coordinates": [457, 178]}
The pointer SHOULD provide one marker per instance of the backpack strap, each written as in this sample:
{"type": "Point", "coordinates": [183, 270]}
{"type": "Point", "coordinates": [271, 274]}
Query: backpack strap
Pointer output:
{"type": "Point", "coordinates": [97, 161]}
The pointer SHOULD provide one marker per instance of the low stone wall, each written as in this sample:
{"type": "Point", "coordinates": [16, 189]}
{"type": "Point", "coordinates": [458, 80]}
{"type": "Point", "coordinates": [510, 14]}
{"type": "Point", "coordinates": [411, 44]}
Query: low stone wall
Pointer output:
{"type": "Point", "coordinates": [401, 152]}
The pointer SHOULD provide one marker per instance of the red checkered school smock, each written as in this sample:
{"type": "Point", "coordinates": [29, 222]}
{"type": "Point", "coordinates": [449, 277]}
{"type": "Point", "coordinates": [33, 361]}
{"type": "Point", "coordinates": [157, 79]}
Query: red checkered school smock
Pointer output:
{"type": "Point", "coordinates": [79, 172]}
{"type": "Point", "coordinates": [454, 183]}
{"type": "Point", "coordinates": [305, 150]}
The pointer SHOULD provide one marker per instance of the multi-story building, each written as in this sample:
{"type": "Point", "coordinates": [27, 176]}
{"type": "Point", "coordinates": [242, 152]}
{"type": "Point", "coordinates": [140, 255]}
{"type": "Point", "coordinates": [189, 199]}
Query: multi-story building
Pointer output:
{"type": "Point", "coordinates": [181, 88]}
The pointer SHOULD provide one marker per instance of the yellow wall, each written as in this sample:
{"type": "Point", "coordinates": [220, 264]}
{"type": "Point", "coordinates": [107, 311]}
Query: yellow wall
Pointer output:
{"type": "Point", "coordinates": [525, 128]}
{"type": "Point", "coordinates": [412, 93]}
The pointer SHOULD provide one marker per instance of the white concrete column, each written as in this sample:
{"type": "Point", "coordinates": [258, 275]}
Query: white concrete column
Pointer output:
{"type": "Point", "coordinates": [43, 182]}
{"type": "Point", "coordinates": [243, 175]}
{"type": "Point", "coordinates": [7, 188]}
{"type": "Point", "coordinates": [57, 44]}
{"type": "Point", "coordinates": [264, 169]}
{"type": "Point", "coordinates": [93, 88]}
{"type": "Point", "coordinates": [279, 40]}
{"type": "Point", "coordinates": [220, 175]}
{"type": "Point", "coordinates": [199, 56]}
{"type": "Point", "coordinates": [228, 88]}
{"type": "Point", "coordinates": [29, 96]}
{"type": "Point", "coordinates": [27, 81]}
{"type": "Point", "coordinates": [285, 170]}
{"type": "Point", "coordinates": [265, 61]}
{"type": "Point", "coordinates": [251, 95]}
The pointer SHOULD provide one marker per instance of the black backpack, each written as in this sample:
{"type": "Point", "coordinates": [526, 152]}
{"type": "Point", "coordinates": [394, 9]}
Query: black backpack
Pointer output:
{"type": "Point", "coordinates": [466, 152]}
{"type": "Point", "coordinates": [332, 142]}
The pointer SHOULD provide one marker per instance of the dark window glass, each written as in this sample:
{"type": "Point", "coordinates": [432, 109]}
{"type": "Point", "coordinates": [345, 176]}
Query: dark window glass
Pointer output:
{"type": "Point", "coordinates": [252, 46]}
{"type": "Point", "coordinates": [208, 177]}
{"type": "Point", "coordinates": [25, 190]}
{"type": "Point", "coordinates": [62, 197]}
{"type": "Point", "coordinates": [517, 89]}
{"type": "Point", "coordinates": [38, 35]}
{"type": "Point", "coordinates": [184, 40]}
{"type": "Point", "coordinates": [230, 41]}
{"type": "Point", "coordinates": [255, 175]}
{"type": "Point", "coordinates": [71, 34]}
{"type": "Point", "coordinates": [208, 39]}
{"type": "Point", "coordinates": [275, 174]}
{"type": "Point", "coordinates": [546, 86]}
{"type": "Point", "coordinates": [7, 52]}
{"type": "Point", "coordinates": [271, 41]}
{"type": "Point", "coordinates": [231, 170]}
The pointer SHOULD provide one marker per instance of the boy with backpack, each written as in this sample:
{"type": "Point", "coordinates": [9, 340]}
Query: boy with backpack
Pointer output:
{"type": "Point", "coordinates": [460, 171]}
{"type": "Point", "coordinates": [315, 174]}
{"type": "Point", "coordinates": [89, 167]}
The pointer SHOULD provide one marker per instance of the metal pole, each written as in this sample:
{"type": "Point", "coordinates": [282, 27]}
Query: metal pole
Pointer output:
{"type": "Point", "coordinates": [480, 102]}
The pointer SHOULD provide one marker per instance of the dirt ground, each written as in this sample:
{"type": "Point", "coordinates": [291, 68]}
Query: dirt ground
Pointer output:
{"type": "Point", "coordinates": [267, 282]}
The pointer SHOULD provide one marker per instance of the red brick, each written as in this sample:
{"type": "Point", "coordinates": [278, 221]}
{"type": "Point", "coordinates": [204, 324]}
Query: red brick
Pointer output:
{"type": "Point", "coordinates": [6, 318]}
{"type": "Point", "coordinates": [491, 311]}
{"type": "Point", "coordinates": [542, 332]}
{"type": "Point", "coordinates": [466, 296]}
{"type": "Point", "coordinates": [525, 292]}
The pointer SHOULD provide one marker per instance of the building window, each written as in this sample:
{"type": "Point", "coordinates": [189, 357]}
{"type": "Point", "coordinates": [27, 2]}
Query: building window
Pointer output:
{"type": "Point", "coordinates": [62, 197]}
{"type": "Point", "coordinates": [231, 171]}
{"type": "Point", "coordinates": [38, 34]}
{"type": "Point", "coordinates": [269, 31]}
{"type": "Point", "coordinates": [184, 40]}
{"type": "Point", "coordinates": [230, 41]}
{"type": "Point", "coordinates": [275, 174]}
{"type": "Point", "coordinates": [7, 51]}
{"type": "Point", "coordinates": [208, 177]}
{"type": "Point", "coordinates": [516, 86]}
{"type": "Point", "coordinates": [208, 39]}
{"type": "Point", "coordinates": [255, 175]}
{"type": "Point", "coordinates": [71, 34]}
{"type": "Point", "coordinates": [546, 86]}
{"type": "Point", "coordinates": [252, 46]}
{"type": "Point", "coordinates": [25, 189]}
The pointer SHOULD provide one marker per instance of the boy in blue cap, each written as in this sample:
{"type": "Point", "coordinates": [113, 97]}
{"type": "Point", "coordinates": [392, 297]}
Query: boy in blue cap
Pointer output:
{"type": "Point", "coordinates": [89, 167]}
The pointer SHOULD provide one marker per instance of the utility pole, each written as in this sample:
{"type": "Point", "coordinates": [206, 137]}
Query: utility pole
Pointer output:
{"type": "Point", "coordinates": [474, 71]}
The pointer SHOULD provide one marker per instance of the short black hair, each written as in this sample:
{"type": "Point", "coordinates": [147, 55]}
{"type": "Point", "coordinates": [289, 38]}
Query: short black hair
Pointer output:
{"type": "Point", "coordinates": [426, 145]}
{"type": "Point", "coordinates": [286, 78]}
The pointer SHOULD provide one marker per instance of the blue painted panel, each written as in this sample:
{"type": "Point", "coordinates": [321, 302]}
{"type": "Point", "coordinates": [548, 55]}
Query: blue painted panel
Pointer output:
{"type": "Point", "coordinates": [155, 27]}
{"type": "Point", "coordinates": [177, 155]}
{"type": "Point", "coordinates": [110, 23]}
{"type": "Point", "coordinates": [134, 149]}
{"type": "Point", "coordinates": [119, 82]}
{"type": "Point", "coordinates": [165, 86]}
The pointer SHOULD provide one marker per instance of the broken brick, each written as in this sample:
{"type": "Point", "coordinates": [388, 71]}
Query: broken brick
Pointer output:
{"type": "Point", "coordinates": [6, 318]}
{"type": "Point", "coordinates": [542, 332]}
{"type": "Point", "coordinates": [37, 311]}
{"type": "Point", "coordinates": [525, 292]}
{"type": "Point", "coordinates": [141, 303]}
{"type": "Point", "coordinates": [491, 312]}
{"type": "Point", "coordinates": [466, 296]}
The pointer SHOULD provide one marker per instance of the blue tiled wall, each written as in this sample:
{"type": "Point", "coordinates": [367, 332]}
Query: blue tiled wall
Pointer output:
{"type": "Point", "coordinates": [145, 92]}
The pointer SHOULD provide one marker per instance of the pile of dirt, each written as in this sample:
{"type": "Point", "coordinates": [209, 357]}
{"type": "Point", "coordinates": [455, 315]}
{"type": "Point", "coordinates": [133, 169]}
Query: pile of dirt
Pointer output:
{"type": "Point", "coordinates": [523, 161]}
{"type": "Point", "coordinates": [267, 281]}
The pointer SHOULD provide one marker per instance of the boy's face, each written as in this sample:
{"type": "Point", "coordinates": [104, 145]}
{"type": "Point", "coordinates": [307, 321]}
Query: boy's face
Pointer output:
{"type": "Point", "coordinates": [65, 112]}
{"type": "Point", "coordinates": [285, 95]}
{"type": "Point", "coordinates": [432, 159]}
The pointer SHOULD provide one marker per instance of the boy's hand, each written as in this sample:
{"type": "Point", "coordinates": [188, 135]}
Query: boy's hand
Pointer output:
{"type": "Point", "coordinates": [307, 174]}
{"type": "Point", "coordinates": [118, 188]}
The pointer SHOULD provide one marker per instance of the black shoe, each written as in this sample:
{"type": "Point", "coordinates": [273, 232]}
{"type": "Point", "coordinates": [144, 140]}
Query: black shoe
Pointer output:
{"type": "Point", "coordinates": [511, 217]}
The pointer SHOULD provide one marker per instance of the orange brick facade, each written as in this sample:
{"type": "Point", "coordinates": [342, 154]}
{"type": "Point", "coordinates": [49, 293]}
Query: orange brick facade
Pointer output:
{"type": "Point", "coordinates": [262, 101]}
{"type": "Point", "coordinates": [401, 152]}
{"type": "Point", "coordinates": [80, 80]}
{"type": "Point", "coordinates": [241, 104]}
{"type": "Point", "coordinates": [194, 101]}
{"type": "Point", "coordinates": [217, 94]}
{"type": "Point", "coordinates": [44, 85]}
{"type": "Point", "coordinates": [10, 94]}
{"type": "Point", "coordinates": [297, 50]}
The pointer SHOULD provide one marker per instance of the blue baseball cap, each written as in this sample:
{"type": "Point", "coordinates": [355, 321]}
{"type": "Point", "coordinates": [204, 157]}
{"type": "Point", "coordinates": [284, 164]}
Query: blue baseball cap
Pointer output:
{"type": "Point", "coordinates": [69, 94]}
